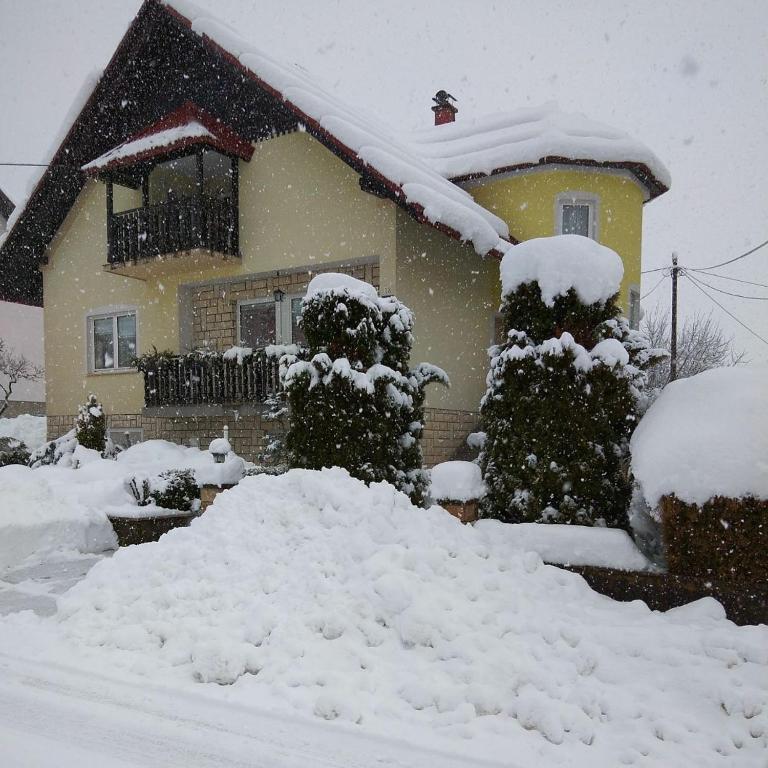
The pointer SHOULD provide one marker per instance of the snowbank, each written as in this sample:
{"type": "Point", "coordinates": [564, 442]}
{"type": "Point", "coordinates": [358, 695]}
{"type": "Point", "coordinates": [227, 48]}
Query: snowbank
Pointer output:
{"type": "Point", "coordinates": [560, 263]}
{"type": "Point", "coordinates": [456, 481]}
{"type": "Point", "coordinates": [41, 514]}
{"type": "Point", "coordinates": [567, 544]}
{"type": "Point", "coordinates": [705, 436]}
{"type": "Point", "coordinates": [313, 593]}
{"type": "Point", "coordinates": [29, 429]}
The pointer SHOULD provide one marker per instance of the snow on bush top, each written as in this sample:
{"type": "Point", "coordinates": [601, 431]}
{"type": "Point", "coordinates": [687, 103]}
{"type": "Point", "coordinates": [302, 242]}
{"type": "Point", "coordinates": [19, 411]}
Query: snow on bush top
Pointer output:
{"type": "Point", "coordinates": [456, 481]}
{"type": "Point", "coordinates": [317, 594]}
{"type": "Point", "coordinates": [525, 136]}
{"type": "Point", "coordinates": [705, 436]}
{"type": "Point", "coordinates": [560, 263]}
{"type": "Point", "coordinates": [339, 283]}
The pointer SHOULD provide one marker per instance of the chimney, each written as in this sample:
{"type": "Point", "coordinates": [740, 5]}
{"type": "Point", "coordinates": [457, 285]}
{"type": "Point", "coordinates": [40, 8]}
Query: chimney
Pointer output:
{"type": "Point", "coordinates": [444, 111]}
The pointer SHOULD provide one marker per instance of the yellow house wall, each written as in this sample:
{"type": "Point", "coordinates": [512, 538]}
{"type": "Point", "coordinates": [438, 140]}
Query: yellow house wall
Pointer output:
{"type": "Point", "coordinates": [527, 202]}
{"type": "Point", "coordinates": [299, 206]}
{"type": "Point", "coordinates": [453, 294]}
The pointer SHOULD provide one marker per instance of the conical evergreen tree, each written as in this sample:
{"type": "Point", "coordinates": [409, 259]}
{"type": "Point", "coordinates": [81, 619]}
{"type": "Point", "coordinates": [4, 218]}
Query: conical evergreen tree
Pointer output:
{"type": "Point", "coordinates": [354, 402]}
{"type": "Point", "coordinates": [563, 389]}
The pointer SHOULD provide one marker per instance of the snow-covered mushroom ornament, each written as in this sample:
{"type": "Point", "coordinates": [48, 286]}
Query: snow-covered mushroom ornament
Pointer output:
{"type": "Point", "coordinates": [220, 447]}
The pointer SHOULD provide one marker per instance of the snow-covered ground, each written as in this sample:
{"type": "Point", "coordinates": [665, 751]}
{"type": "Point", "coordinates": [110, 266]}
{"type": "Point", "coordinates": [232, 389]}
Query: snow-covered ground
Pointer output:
{"type": "Point", "coordinates": [29, 429]}
{"type": "Point", "coordinates": [317, 599]}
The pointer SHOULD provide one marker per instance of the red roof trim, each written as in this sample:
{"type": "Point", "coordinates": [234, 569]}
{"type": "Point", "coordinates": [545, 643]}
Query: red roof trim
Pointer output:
{"type": "Point", "coordinates": [222, 138]}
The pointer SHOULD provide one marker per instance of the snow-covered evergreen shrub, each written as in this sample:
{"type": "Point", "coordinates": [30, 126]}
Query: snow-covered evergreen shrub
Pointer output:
{"type": "Point", "coordinates": [91, 425]}
{"type": "Point", "coordinates": [59, 451]}
{"type": "Point", "coordinates": [563, 390]}
{"type": "Point", "coordinates": [354, 402]}
{"type": "Point", "coordinates": [175, 489]}
{"type": "Point", "coordinates": [13, 451]}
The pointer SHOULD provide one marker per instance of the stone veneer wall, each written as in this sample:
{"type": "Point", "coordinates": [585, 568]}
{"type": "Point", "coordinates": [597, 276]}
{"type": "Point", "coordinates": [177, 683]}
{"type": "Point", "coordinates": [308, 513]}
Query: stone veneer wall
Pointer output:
{"type": "Point", "coordinates": [214, 305]}
{"type": "Point", "coordinates": [19, 407]}
{"type": "Point", "coordinates": [444, 435]}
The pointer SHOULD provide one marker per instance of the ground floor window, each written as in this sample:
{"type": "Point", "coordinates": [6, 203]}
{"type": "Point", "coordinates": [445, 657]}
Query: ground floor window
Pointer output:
{"type": "Point", "coordinates": [112, 340]}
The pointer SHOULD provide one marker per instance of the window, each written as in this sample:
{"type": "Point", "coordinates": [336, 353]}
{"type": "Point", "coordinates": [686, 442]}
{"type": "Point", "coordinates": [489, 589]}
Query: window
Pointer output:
{"type": "Point", "coordinates": [576, 214]}
{"type": "Point", "coordinates": [265, 321]}
{"type": "Point", "coordinates": [257, 323]}
{"type": "Point", "coordinates": [112, 341]}
{"type": "Point", "coordinates": [635, 313]}
{"type": "Point", "coordinates": [126, 437]}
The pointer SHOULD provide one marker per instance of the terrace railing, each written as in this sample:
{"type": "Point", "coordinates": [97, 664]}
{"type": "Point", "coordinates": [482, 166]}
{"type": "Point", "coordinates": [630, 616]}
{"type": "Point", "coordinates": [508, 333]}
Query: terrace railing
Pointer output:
{"type": "Point", "coordinates": [188, 380]}
{"type": "Point", "coordinates": [172, 227]}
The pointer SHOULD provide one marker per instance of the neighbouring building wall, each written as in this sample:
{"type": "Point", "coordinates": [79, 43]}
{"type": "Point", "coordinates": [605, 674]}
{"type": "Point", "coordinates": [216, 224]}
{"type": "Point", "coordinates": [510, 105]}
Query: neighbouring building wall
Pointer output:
{"type": "Point", "coordinates": [301, 208]}
{"type": "Point", "coordinates": [21, 328]}
{"type": "Point", "coordinates": [526, 200]}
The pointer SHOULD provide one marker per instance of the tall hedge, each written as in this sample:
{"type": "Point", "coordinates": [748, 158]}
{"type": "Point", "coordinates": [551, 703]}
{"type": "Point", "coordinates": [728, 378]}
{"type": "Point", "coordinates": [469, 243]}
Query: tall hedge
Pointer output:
{"type": "Point", "coordinates": [353, 401]}
{"type": "Point", "coordinates": [563, 397]}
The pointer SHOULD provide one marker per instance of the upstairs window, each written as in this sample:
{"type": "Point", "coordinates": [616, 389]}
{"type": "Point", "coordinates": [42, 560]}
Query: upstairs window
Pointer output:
{"type": "Point", "coordinates": [112, 341]}
{"type": "Point", "coordinates": [269, 321]}
{"type": "Point", "coordinates": [576, 214]}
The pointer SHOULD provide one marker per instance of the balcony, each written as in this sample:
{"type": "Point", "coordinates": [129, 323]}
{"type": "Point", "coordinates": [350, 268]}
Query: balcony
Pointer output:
{"type": "Point", "coordinates": [202, 381]}
{"type": "Point", "coordinates": [172, 227]}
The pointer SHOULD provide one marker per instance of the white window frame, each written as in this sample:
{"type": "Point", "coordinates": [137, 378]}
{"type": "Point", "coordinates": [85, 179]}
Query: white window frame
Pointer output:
{"type": "Point", "coordinates": [574, 197]}
{"type": "Point", "coordinates": [286, 326]}
{"type": "Point", "coordinates": [104, 313]}
{"type": "Point", "coordinates": [283, 326]}
{"type": "Point", "coordinates": [117, 434]}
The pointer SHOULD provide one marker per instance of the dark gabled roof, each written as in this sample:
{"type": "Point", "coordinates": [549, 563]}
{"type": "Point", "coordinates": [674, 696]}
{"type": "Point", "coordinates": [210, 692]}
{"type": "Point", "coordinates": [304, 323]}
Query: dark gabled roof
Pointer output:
{"type": "Point", "coordinates": [187, 126]}
{"type": "Point", "coordinates": [161, 63]}
{"type": "Point", "coordinates": [6, 205]}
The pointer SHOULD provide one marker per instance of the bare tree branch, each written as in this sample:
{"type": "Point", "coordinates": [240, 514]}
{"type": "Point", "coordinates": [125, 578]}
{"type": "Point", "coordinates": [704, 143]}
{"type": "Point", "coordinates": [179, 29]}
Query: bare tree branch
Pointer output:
{"type": "Point", "coordinates": [701, 345]}
{"type": "Point", "coordinates": [13, 369]}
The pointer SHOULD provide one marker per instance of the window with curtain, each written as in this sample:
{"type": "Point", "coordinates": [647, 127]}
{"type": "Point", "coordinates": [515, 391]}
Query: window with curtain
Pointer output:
{"type": "Point", "coordinates": [112, 341]}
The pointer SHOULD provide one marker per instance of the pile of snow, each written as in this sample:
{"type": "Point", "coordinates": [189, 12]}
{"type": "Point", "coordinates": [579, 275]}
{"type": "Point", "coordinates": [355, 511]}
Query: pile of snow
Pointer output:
{"type": "Point", "coordinates": [339, 283]}
{"type": "Point", "coordinates": [29, 429]}
{"type": "Point", "coordinates": [42, 512]}
{"type": "Point", "coordinates": [314, 593]}
{"type": "Point", "coordinates": [456, 481]}
{"type": "Point", "coordinates": [568, 544]}
{"type": "Point", "coordinates": [705, 436]}
{"type": "Point", "coordinates": [560, 263]}
{"type": "Point", "coordinates": [528, 136]}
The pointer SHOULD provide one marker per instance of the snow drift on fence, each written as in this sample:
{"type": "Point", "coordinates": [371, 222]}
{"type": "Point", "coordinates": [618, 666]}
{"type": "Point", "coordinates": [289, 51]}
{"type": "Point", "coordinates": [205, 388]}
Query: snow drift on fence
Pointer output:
{"type": "Point", "coordinates": [706, 436]}
{"type": "Point", "coordinates": [314, 593]}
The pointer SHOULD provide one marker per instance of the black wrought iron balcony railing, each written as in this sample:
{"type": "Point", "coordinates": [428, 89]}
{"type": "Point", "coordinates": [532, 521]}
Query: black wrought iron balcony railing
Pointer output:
{"type": "Point", "coordinates": [191, 380]}
{"type": "Point", "coordinates": [172, 227]}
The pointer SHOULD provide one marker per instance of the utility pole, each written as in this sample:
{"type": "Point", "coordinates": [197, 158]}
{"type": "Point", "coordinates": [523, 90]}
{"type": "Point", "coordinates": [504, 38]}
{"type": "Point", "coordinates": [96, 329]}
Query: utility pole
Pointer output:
{"type": "Point", "coordinates": [673, 337]}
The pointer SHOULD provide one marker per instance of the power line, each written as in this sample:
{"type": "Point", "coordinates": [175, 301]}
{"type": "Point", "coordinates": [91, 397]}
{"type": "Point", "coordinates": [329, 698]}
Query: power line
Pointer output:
{"type": "Point", "coordinates": [732, 279]}
{"type": "Point", "coordinates": [727, 312]}
{"type": "Point", "coordinates": [648, 271]}
{"type": "Point", "coordinates": [663, 278]}
{"type": "Point", "coordinates": [728, 293]}
{"type": "Point", "coordinates": [730, 261]}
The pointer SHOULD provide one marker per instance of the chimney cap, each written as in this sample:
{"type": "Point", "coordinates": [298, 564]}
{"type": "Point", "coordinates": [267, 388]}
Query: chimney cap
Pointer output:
{"type": "Point", "coordinates": [441, 98]}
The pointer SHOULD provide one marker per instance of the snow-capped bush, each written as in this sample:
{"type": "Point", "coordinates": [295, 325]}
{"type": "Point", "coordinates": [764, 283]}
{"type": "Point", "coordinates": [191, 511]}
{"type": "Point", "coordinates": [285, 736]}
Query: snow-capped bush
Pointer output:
{"type": "Point", "coordinates": [12, 451]}
{"type": "Point", "coordinates": [174, 489]}
{"type": "Point", "coordinates": [91, 425]}
{"type": "Point", "coordinates": [58, 451]}
{"type": "Point", "coordinates": [355, 403]}
{"type": "Point", "coordinates": [563, 390]}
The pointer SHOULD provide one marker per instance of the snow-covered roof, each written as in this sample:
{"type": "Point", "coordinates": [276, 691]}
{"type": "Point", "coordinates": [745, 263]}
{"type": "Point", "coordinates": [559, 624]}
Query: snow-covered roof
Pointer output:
{"type": "Point", "coordinates": [705, 436]}
{"type": "Point", "coordinates": [532, 136]}
{"type": "Point", "coordinates": [185, 126]}
{"type": "Point", "coordinates": [432, 197]}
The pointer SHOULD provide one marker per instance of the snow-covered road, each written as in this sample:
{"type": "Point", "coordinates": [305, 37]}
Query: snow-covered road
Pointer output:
{"type": "Point", "coordinates": [56, 716]}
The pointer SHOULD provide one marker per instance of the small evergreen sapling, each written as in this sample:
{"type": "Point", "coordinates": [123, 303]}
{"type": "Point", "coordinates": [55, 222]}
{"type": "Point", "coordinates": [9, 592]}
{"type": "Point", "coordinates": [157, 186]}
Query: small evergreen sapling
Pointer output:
{"type": "Point", "coordinates": [354, 402]}
{"type": "Point", "coordinates": [564, 390]}
{"type": "Point", "coordinates": [91, 425]}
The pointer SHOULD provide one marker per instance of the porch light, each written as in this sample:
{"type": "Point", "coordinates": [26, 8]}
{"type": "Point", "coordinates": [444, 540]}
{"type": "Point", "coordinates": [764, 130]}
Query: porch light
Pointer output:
{"type": "Point", "coordinates": [279, 295]}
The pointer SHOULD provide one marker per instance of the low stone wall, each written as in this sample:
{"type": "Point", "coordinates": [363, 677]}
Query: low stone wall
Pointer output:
{"type": "Point", "coordinates": [444, 438]}
{"type": "Point", "coordinates": [19, 407]}
{"type": "Point", "coordinates": [743, 604]}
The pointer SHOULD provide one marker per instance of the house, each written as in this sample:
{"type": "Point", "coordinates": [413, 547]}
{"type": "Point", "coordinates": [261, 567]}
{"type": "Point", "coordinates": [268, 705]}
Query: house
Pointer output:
{"type": "Point", "coordinates": [203, 184]}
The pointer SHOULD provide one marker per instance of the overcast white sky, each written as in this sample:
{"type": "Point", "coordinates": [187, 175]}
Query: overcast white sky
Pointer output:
{"type": "Point", "coordinates": [689, 78]}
